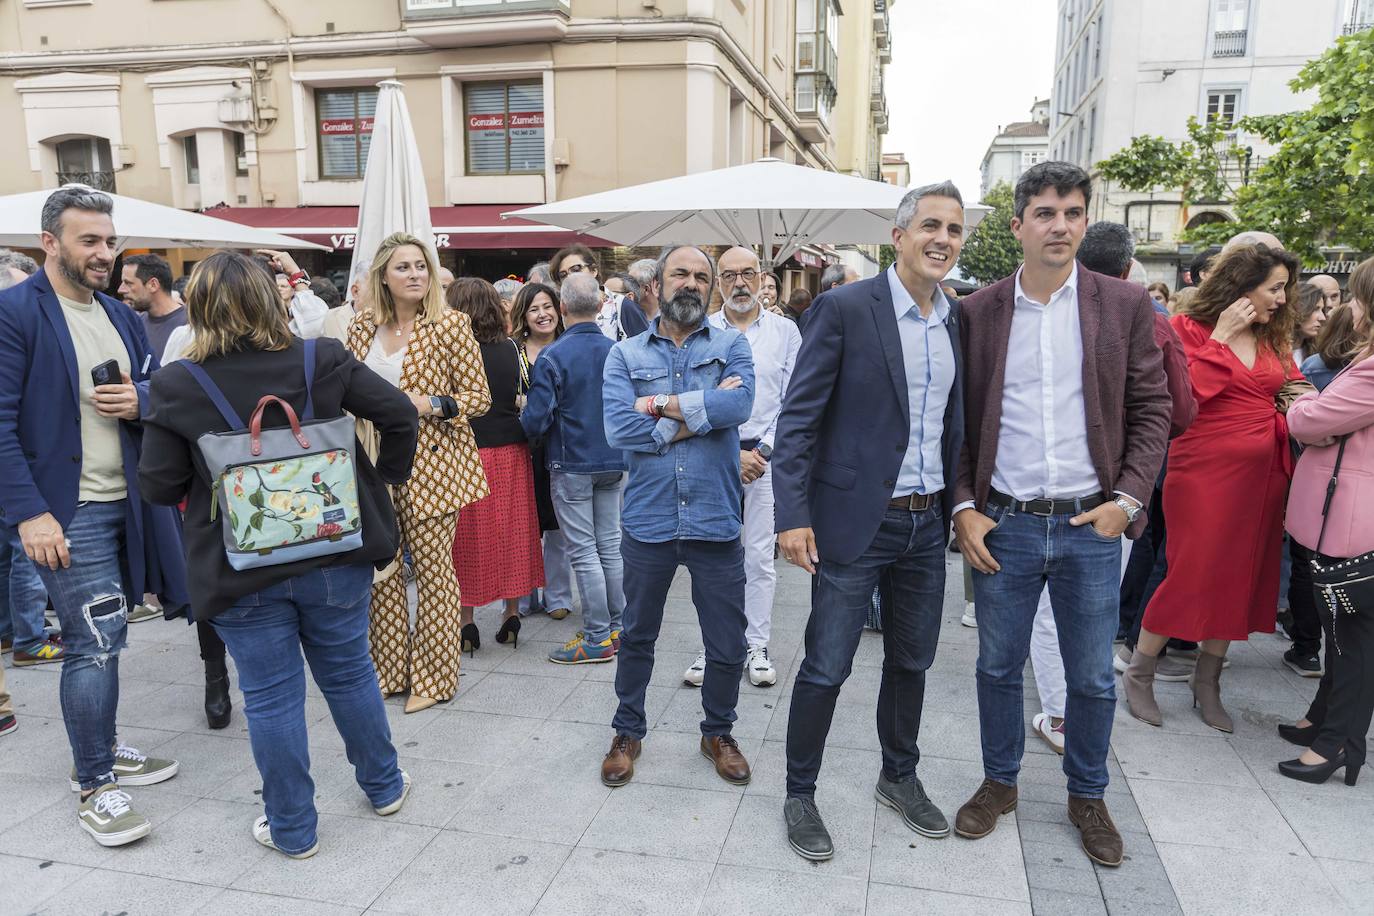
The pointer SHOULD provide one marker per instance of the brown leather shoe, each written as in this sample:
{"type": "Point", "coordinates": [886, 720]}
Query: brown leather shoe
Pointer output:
{"type": "Point", "coordinates": [978, 817]}
{"type": "Point", "coordinates": [725, 754]}
{"type": "Point", "coordinates": [1101, 840]}
{"type": "Point", "coordinates": [619, 766]}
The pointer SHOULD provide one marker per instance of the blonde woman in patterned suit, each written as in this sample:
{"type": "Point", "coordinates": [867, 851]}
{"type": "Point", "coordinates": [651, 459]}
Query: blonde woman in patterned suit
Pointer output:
{"type": "Point", "coordinates": [410, 338]}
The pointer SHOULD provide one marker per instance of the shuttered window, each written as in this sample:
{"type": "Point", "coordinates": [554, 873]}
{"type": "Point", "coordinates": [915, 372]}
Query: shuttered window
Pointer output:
{"type": "Point", "coordinates": [344, 119]}
{"type": "Point", "coordinates": [505, 128]}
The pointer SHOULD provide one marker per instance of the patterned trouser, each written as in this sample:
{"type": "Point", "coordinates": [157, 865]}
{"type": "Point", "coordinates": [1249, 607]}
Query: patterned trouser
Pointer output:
{"type": "Point", "coordinates": [426, 663]}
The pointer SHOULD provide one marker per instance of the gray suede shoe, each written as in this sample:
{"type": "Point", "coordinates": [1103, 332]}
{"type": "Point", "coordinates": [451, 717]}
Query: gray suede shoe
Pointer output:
{"type": "Point", "coordinates": [916, 808]}
{"type": "Point", "coordinates": [806, 832]}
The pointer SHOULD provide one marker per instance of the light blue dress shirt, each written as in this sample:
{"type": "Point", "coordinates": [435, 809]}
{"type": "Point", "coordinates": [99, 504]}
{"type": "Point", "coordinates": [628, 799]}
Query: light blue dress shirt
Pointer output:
{"type": "Point", "coordinates": [928, 356]}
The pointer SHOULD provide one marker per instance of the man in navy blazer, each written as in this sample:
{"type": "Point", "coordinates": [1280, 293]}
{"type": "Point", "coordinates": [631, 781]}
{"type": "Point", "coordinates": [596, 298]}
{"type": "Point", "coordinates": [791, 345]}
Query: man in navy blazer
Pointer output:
{"type": "Point", "coordinates": [863, 463]}
{"type": "Point", "coordinates": [70, 447]}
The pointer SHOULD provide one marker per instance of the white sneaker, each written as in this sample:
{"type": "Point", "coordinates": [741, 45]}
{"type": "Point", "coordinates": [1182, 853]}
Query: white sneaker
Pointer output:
{"type": "Point", "coordinates": [694, 675]}
{"type": "Point", "coordinates": [395, 806]}
{"type": "Point", "coordinates": [1053, 735]}
{"type": "Point", "coordinates": [263, 834]}
{"type": "Point", "coordinates": [761, 672]}
{"type": "Point", "coordinates": [969, 619]}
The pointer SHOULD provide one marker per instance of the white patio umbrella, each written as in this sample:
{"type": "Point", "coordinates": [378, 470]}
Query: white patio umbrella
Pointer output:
{"type": "Point", "coordinates": [142, 224]}
{"type": "Point", "coordinates": [766, 204]}
{"type": "Point", "coordinates": [394, 198]}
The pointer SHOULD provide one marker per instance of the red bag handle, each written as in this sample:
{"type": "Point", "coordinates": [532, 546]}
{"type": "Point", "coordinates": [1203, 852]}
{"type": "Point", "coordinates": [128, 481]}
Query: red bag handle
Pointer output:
{"type": "Point", "coordinates": [255, 424]}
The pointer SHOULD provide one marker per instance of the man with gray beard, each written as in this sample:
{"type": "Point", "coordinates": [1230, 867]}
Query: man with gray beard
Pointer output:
{"type": "Point", "coordinates": [673, 399]}
{"type": "Point", "coordinates": [774, 342]}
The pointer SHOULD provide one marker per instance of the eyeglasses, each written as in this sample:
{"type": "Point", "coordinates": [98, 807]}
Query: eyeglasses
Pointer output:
{"type": "Point", "coordinates": [728, 277]}
{"type": "Point", "coordinates": [572, 269]}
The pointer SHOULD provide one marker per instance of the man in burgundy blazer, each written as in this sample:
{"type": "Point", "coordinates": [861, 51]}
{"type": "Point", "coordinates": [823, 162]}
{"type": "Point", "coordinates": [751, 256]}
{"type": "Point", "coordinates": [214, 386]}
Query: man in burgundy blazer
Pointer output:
{"type": "Point", "coordinates": [1067, 417]}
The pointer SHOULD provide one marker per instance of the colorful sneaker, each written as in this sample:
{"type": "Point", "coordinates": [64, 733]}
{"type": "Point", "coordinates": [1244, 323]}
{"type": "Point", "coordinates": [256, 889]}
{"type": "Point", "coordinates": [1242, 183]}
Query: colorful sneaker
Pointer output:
{"type": "Point", "coordinates": [45, 653]}
{"type": "Point", "coordinates": [7, 725]}
{"type": "Point", "coordinates": [577, 651]}
{"type": "Point", "coordinates": [1052, 734]}
{"type": "Point", "coordinates": [760, 667]}
{"type": "Point", "coordinates": [615, 639]}
{"type": "Point", "coordinates": [395, 806]}
{"type": "Point", "coordinates": [263, 834]}
{"type": "Point", "coordinates": [142, 612]}
{"type": "Point", "coordinates": [132, 768]}
{"type": "Point", "coordinates": [694, 675]}
{"type": "Point", "coordinates": [106, 815]}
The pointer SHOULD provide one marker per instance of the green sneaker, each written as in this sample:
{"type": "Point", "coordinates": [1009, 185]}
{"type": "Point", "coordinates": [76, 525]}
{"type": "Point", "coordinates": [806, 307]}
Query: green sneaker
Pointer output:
{"type": "Point", "coordinates": [142, 612]}
{"type": "Point", "coordinates": [132, 768]}
{"type": "Point", "coordinates": [106, 815]}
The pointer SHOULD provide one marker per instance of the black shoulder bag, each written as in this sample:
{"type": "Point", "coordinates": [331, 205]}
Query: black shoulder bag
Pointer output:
{"type": "Point", "coordinates": [1345, 585]}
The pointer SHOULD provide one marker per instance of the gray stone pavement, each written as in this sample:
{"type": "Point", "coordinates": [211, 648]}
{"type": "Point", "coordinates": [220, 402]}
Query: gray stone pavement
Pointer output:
{"type": "Point", "coordinates": [508, 814]}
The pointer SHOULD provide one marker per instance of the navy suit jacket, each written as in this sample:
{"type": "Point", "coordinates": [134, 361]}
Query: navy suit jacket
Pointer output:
{"type": "Point", "coordinates": [40, 433]}
{"type": "Point", "coordinates": [845, 422]}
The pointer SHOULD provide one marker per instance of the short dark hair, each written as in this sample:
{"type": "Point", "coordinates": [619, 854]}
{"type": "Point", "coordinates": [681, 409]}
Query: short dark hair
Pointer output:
{"type": "Point", "coordinates": [327, 291]}
{"type": "Point", "coordinates": [480, 301]}
{"type": "Point", "coordinates": [151, 267]}
{"type": "Point", "coordinates": [582, 251]}
{"type": "Point", "coordinates": [1202, 262]}
{"type": "Point", "coordinates": [1107, 249]}
{"type": "Point", "coordinates": [800, 299]}
{"type": "Point", "coordinates": [73, 197]}
{"type": "Point", "coordinates": [180, 286]}
{"type": "Point", "coordinates": [1064, 177]}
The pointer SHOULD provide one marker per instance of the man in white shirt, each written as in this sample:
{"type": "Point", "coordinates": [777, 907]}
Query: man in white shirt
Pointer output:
{"type": "Point", "coordinates": [774, 341]}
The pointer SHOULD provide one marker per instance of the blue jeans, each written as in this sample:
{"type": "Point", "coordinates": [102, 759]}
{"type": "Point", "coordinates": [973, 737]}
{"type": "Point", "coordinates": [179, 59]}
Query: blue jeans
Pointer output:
{"type": "Point", "coordinates": [588, 508]}
{"type": "Point", "coordinates": [1083, 571]}
{"type": "Point", "coordinates": [910, 548]}
{"type": "Point", "coordinates": [22, 596]}
{"type": "Point", "coordinates": [717, 569]}
{"type": "Point", "coordinates": [93, 609]}
{"type": "Point", "coordinates": [324, 613]}
{"type": "Point", "coordinates": [557, 590]}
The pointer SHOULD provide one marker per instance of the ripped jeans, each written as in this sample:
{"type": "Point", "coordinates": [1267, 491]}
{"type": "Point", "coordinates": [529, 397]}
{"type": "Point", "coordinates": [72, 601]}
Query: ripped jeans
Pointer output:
{"type": "Point", "coordinates": [92, 607]}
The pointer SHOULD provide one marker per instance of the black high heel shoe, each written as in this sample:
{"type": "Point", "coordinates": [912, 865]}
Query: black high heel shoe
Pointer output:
{"type": "Point", "coordinates": [1318, 773]}
{"type": "Point", "coordinates": [509, 632]}
{"type": "Point", "coordinates": [471, 638]}
{"type": "Point", "coordinates": [1302, 736]}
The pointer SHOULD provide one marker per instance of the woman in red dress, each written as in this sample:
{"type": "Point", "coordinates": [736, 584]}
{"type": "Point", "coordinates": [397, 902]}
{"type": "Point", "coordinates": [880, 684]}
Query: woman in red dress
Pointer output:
{"type": "Point", "coordinates": [1228, 477]}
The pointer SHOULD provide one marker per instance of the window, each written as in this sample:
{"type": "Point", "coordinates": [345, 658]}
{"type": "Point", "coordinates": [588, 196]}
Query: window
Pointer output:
{"type": "Point", "coordinates": [1097, 46]}
{"type": "Point", "coordinates": [86, 160]}
{"type": "Point", "coordinates": [1031, 157]}
{"type": "Point", "coordinates": [1231, 15]}
{"type": "Point", "coordinates": [1092, 132]}
{"type": "Point", "coordinates": [1222, 105]}
{"type": "Point", "coordinates": [505, 128]}
{"type": "Point", "coordinates": [192, 156]}
{"type": "Point", "coordinates": [344, 119]}
{"type": "Point", "coordinates": [240, 156]}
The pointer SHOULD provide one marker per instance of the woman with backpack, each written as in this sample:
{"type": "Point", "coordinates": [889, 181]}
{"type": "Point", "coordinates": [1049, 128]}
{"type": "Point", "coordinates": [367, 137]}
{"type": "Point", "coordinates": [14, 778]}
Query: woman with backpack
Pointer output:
{"type": "Point", "coordinates": [271, 600]}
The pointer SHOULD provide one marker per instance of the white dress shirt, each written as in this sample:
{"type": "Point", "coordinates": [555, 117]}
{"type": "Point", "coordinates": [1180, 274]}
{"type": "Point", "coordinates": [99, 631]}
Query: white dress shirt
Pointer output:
{"type": "Point", "coordinates": [1042, 448]}
{"type": "Point", "coordinates": [928, 359]}
{"type": "Point", "coordinates": [775, 341]}
{"type": "Point", "coordinates": [307, 312]}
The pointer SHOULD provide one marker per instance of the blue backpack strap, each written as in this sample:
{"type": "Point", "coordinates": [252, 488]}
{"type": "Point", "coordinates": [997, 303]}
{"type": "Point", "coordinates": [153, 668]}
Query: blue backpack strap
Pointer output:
{"type": "Point", "coordinates": [309, 380]}
{"type": "Point", "coordinates": [226, 410]}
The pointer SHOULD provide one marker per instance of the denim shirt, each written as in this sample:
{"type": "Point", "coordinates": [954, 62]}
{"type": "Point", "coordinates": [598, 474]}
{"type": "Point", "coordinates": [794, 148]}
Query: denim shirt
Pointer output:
{"type": "Point", "coordinates": [564, 403]}
{"type": "Point", "coordinates": [689, 489]}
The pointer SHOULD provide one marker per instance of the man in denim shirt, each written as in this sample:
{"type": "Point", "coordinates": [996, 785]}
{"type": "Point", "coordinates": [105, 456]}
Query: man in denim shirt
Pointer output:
{"type": "Point", "coordinates": [674, 397]}
{"type": "Point", "coordinates": [585, 473]}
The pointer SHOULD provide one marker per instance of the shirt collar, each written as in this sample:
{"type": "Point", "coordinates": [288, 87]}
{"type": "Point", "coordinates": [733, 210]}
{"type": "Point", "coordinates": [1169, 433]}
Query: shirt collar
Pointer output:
{"type": "Point", "coordinates": [720, 321]}
{"type": "Point", "coordinates": [1070, 285]}
{"type": "Point", "coordinates": [903, 301]}
{"type": "Point", "coordinates": [706, 328]}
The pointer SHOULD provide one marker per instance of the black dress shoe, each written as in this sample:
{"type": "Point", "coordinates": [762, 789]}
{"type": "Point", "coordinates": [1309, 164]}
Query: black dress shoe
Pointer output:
{"type": "Point", "coordinates": [916, 808]}
{"type": "Point", "coordinates": [806, 833]}
{"type": "Point", "coordinates": [1318, 773]}
{"type": "Point", "coordinates": [1302, 736]}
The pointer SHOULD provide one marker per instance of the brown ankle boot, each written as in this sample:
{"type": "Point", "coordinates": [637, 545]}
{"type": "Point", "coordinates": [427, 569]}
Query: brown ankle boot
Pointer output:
{"type": "Point", "coordinates": [1138, 681]}
{"type": "Point", "coordinates": [978, 817]}
{"type": "Point", "coordinates": [1206, 684]}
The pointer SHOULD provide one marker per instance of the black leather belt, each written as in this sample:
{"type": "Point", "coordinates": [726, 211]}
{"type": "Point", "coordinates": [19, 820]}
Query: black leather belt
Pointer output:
{"type": "Point", "coordinates": [915, 502]}
{"type": "Point", "coordinates": [1045, 506]}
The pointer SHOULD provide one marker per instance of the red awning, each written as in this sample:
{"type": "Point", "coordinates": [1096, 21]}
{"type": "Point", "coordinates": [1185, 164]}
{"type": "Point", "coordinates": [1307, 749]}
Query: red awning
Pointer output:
{"type": "Point", "coordinates": [469, 226]}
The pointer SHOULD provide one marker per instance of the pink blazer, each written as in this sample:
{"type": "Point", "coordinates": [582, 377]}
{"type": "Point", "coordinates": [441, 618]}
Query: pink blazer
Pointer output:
{"type": "Point", "coordinates": [1346, 405]}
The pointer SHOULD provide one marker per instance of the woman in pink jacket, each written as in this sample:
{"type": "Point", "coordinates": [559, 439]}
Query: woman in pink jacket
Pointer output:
{"type": "Point", "coordinates": [1336, 723]}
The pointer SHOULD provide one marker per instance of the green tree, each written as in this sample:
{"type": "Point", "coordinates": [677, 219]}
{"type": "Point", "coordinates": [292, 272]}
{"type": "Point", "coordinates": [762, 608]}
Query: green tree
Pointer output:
{"type": "Point", "coordinates": [886, 255]}
{"type": "Point", "coordinates": [991, 252]}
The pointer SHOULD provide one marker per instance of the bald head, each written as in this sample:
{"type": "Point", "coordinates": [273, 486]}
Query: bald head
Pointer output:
{"type": "Point", "coordinates": [1331, 290]}
{"type": "Point", "coordinates": [737, 272]}
{"type": "Point", "coordinates": [1253, 237]}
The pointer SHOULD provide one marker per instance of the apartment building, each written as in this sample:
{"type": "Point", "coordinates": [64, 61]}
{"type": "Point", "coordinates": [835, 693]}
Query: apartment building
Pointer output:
{"type": "Point", "coordinates": [1016, 147]}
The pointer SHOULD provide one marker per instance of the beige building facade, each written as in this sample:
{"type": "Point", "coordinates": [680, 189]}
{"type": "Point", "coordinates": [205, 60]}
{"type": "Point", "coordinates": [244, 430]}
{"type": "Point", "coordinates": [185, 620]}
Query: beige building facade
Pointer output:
{"type": "Point", "coordinates": [265, 106]}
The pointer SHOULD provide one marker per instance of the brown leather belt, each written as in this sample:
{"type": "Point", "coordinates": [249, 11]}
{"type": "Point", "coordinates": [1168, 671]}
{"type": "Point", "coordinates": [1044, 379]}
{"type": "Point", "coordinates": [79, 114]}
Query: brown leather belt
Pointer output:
{"type": "Point", "coordinates": [915, 502]}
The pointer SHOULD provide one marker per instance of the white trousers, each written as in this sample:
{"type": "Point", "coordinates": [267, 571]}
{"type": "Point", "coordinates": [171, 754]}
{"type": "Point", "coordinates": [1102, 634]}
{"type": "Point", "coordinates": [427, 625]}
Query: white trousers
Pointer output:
{"type": "Point", "coordinates": [760, 575]}
{"type": "Point", "coordinates": [1044, 649]}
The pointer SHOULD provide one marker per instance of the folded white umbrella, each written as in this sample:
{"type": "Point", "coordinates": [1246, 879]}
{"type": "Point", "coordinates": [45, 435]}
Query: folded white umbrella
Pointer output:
{"type": "Point", "coordinates": [769, 204]}
{"type": "Point", "coordinates": [394, 198]}
{"type": "Point", "coordinates": [142, 224]}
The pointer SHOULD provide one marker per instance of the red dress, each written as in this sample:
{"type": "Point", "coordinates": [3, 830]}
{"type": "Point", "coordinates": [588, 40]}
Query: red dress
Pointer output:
{"type": "Point", "coordinates": [1224, 495]}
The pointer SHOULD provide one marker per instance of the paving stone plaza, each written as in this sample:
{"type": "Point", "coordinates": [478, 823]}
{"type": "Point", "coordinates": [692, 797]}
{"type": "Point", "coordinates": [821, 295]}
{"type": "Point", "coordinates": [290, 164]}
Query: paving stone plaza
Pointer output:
{"type": "Point", "coordinates": [508, 814]}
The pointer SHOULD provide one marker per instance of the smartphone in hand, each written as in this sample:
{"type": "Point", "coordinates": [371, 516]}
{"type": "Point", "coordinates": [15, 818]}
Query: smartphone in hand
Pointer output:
{"type": "Point", "coordinates": [107, 373]}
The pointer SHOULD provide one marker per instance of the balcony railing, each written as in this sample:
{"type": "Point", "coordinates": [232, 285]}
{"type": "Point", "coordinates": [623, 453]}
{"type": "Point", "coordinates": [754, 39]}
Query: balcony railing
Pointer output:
{"type": "Point", "coordinates": [1354, 28]}
{"type": "Point", "coordinates": [101, 181]}
{"type": "Point", "coordinates": [428, 9]}
{"type": "Point", "coordinates": [1230, 43]}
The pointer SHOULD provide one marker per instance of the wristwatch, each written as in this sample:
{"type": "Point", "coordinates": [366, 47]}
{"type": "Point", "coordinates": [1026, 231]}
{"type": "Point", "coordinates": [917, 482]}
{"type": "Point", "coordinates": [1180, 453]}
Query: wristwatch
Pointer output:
{"type": "Point", "coordinates": [659, 404]}
{"type": "Point", "coordinates": [436, 405]}
{"type": "Point", "coordinates": [765, 450]}
{"type": "Point", "coordinates": [1130, 508]}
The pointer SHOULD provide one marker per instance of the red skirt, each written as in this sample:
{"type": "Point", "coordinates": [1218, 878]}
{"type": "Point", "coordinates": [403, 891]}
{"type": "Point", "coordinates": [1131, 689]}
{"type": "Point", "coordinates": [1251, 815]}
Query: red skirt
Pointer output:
{"type": "Point", "coordinates": [496, 550]}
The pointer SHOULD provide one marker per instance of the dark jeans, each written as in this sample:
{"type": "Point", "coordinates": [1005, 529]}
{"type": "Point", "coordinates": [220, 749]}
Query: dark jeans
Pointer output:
{"type": "Point", "coordinates": [1302, 602]}
{"type": "Point", "coordinates": [93, 610]}
{"type": "Point", "coordinates": [324, 613]}
{"type": "Point", "coordinates": [1082, 569]}
{"type": "Point", "coordinates": [717, 570]}
{"type": "Point", "coordinates": [1344, 703]}
{"type": "Point", "coordinates": [1144, 573]}
{"type": "Point", "coordinates": [909, 551]}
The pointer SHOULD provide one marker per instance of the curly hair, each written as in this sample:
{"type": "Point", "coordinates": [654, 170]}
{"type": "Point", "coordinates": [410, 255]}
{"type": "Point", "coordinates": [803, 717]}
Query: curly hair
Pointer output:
{"type": "Point", "coordinates": [518, 329]}
{"type": "Point", "coordinates": [479, 300]}
{"type": "Point", "coordinates": [1237, 273]}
